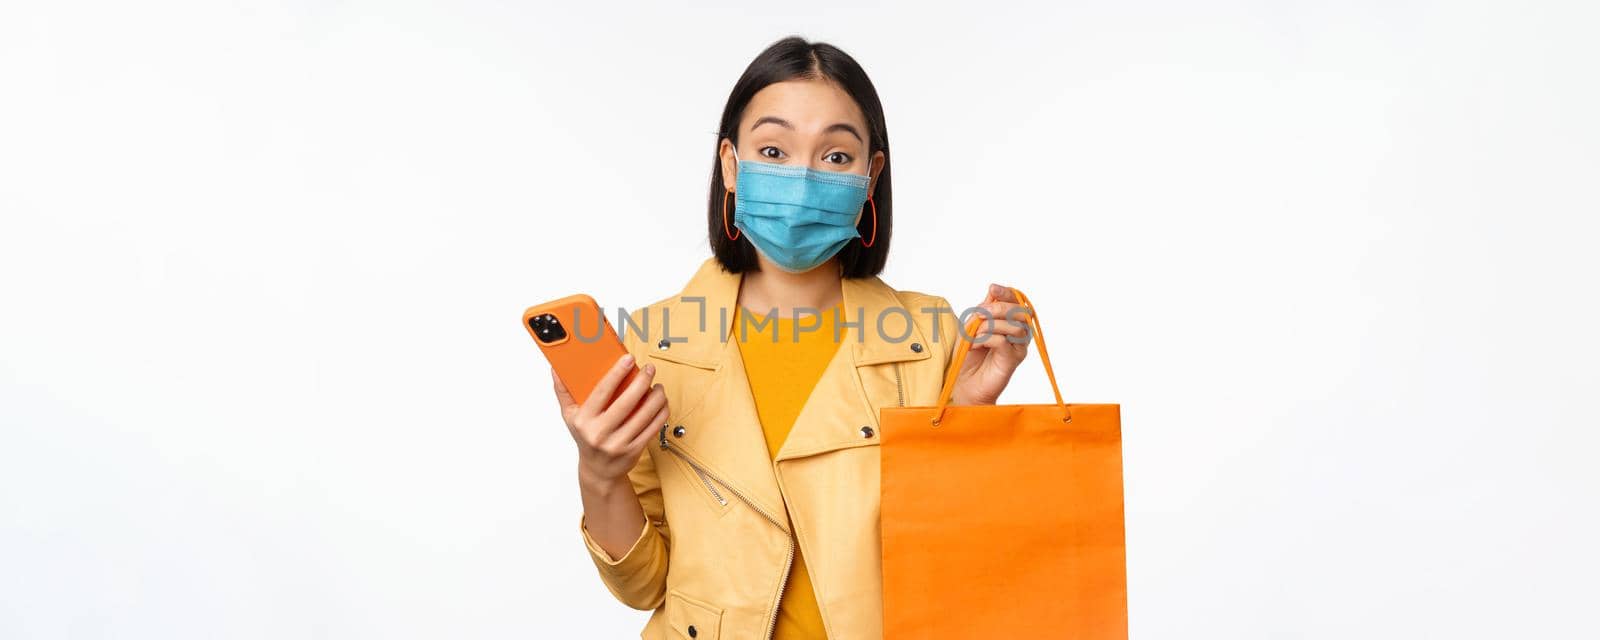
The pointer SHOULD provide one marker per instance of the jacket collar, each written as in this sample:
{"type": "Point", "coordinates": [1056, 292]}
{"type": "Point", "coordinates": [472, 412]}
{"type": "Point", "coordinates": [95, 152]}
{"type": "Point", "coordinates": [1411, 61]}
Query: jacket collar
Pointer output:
{"type": "Point", "coordinates": [695, 326]}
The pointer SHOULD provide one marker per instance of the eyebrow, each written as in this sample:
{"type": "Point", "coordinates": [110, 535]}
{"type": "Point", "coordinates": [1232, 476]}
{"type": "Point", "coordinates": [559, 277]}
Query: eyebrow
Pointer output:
{"type": "Point", "coordinates": [837, 126]}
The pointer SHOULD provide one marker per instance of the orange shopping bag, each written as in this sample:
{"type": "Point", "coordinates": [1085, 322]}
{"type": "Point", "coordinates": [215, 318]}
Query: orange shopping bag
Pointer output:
{"type": "Point", "coordinates": [1003, 521]}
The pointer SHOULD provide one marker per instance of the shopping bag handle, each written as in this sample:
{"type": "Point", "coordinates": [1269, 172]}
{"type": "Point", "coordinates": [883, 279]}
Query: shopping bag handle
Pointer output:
{"type": "Point", "coordinates": [971, 331]}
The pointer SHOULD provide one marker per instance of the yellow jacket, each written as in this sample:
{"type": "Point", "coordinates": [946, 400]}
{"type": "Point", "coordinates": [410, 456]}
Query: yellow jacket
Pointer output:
{"type": "Point", "coordinates": [715, 550]}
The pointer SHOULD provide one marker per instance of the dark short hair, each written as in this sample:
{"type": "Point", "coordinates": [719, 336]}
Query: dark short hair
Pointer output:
{"type": "Point", "coordinates": [788, 59]}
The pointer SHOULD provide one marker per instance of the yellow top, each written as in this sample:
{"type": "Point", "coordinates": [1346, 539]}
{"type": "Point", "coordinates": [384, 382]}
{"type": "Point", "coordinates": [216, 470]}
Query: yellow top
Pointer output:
{"type": "Point", "coordinates": [782, 375]}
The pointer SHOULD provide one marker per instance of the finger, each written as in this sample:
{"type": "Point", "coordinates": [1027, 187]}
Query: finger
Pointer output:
{"type": "Point", "coordinates": [998, 317]}
{"type": "Point", "coordinates": [1009, 334]}
{"type": "Point", "coordinates": [648, 431]}
{"type": "Point", "coordinates": [601, 396]}
{"type": "Point", "coordinates": [984, 320]}
{"type": "Point", "coordinates": [625, 402]}
{"type": "Point", "coordinates": [1009, 327]}
{"type": "Point", "coordinates": [642, 415]}
{"type": "Point", "coordinates": [969, 325]}
{"type": "Point", "coordinates": [1001, 293]}
{"type": "Point", "coordinates": [1001, 341]}
{"type": "Point", "coordinates": [1014, 316]}
{"type": "Point", "coordinates": [1006, 311]}
{"type": "Point", "coordinates": [563, 396]}
{"type": "Point", "coordinates": [1012, 326]}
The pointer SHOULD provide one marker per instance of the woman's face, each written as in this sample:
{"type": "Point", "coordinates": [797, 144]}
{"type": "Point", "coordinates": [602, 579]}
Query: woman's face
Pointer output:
{"type": "Point", "coordinates": [811, 123]}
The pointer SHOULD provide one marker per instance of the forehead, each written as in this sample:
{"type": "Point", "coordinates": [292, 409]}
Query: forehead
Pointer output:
{"type": "Point", "coordinates": [810, 105]}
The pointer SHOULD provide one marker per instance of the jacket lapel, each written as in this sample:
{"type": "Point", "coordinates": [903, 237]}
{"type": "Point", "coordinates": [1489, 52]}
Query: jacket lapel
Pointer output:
{"type": "Point", "coordinates": [879, 337]}
{"type": "Point", "coordinates": [719, 413]}
{"type": "Point", "coordinates": [717, 410]}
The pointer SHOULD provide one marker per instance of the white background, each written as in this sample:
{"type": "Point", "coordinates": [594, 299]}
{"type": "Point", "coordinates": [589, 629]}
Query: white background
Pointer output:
{"type": "Point", "coordinates": [261, 373]}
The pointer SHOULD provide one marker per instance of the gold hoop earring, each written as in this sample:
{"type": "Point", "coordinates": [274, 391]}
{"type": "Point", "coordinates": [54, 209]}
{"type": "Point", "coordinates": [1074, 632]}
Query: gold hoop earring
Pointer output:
{"type": "Point", "coordinates": [868, 243]}
{"type": "Point", "coordinates": [731, 235]}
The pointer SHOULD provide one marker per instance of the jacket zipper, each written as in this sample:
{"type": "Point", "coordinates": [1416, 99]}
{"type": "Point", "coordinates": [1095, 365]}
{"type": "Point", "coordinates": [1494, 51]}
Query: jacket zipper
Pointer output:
{"type": "Point", "coordinates": [899, 389]}
{"type": "Point", "coordinates": [720, 500]}
{"type": "Point", "coordinates": [788, 560]}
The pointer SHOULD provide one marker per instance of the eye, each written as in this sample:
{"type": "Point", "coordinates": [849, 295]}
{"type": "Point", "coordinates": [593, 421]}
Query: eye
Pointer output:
{"type": "Point", "coordinates": [775, 153]}
{"type": "Point", "coordinates": [842, 157]}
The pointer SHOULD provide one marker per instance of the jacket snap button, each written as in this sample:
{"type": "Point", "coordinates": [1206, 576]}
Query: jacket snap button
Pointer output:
{"type": "Point", "coordinates": [663, 345]}
{"type": "Point", "coordinates": [866, 432]}
{"type": "Point", "coordinates": [678, 431]}
{"type": "Point", "coordinates": [916, 347]}
{"type": "Point", "coordinates": [692, 632]}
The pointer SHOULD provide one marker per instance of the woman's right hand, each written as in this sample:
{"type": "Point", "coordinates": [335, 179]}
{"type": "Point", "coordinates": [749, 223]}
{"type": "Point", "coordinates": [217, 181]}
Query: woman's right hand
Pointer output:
{"type": "Point", "coordinates": [611, 432]}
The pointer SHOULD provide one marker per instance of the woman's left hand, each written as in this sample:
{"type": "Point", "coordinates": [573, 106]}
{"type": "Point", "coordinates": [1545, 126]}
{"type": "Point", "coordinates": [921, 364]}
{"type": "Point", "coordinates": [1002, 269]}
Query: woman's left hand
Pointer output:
{"type": "Point", "coordinates": [988, 367]}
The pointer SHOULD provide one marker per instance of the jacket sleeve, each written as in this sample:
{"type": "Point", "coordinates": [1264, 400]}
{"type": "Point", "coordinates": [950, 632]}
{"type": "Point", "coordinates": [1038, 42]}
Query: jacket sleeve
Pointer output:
{"type": "Point", "coordinates": [638, 578]}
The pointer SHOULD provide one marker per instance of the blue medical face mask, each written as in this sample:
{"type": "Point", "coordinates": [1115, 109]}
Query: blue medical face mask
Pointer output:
{"type": "Point", "coordinates": [796, 216]}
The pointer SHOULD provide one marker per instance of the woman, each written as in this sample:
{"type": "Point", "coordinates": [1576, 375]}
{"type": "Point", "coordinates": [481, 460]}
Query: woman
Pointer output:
{"type": "Point", "coordinates": [733, 486]}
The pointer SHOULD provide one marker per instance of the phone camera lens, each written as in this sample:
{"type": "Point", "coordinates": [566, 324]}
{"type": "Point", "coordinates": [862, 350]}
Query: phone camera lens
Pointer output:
{"type": "Point", "coordinates": [547, 328]}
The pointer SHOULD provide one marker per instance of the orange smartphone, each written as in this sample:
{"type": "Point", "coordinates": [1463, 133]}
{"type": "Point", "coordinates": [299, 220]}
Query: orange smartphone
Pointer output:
{"type": "Point", "coordinates": [577, 340]}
